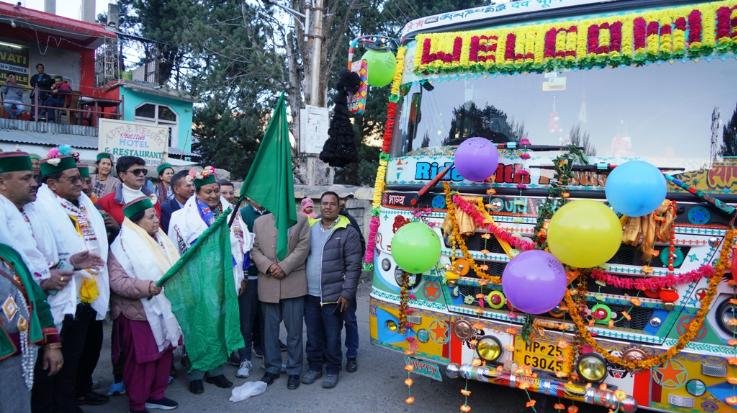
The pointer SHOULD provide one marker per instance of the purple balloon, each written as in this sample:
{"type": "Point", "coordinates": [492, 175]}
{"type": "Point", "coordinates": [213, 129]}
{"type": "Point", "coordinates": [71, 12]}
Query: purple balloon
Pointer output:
{"type": "Point", "coordinates": [534, 282]}
{"type": "Point", "coordinates": [476, 159]}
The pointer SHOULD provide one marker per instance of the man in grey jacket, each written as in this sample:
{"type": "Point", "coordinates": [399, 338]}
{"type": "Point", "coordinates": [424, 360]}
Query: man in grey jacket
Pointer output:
{"type": "Point", "coordinates": [333, 269]}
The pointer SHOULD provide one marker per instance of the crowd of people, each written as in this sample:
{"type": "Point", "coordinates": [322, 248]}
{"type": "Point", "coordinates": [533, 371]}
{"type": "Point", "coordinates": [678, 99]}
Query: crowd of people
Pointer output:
{"type": "Point", "coordinates": [77, 248]}
{"type": "Point", "coordinates": [52, 92]}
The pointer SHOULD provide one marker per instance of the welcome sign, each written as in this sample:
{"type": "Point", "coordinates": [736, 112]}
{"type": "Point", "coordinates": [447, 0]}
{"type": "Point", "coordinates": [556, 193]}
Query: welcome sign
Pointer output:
{"type": "Point", "coordinates": [141, 139]}
{"type": "Point", "coordinates": [628, 38]}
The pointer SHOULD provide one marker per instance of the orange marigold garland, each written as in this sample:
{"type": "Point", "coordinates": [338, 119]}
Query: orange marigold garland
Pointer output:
{"type": "Point", "coordinates": [457, 240]}
{"type": "Point", "coordinates": [403, 302]}
{"type": "Point", "coordinates": [690, 334]}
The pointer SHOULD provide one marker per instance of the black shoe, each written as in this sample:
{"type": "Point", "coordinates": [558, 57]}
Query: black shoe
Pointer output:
{"type": "Point", "coordinates": [293, 381]}
{"type": "Point", "coordinates": [162, 404]}
{"type": "Point", "coordinates": [351, 365]}
{"type": "Point", "coordinates": [282, 346]}
{"type": "Point", "coordinates": [258, 352]}
{"type": "Point", "coordinates": [269, 378]}
{"type": "Point", "coordinates": [93, 399]}
{"type": "Point", "coordinates": [219, 381]}
{"type": "Point", "coordinates": [196, 387]}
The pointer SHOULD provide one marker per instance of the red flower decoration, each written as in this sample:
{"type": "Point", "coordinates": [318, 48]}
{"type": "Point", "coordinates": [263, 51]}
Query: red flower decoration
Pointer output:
{"type": "Point", "coordinates": [399, 222]}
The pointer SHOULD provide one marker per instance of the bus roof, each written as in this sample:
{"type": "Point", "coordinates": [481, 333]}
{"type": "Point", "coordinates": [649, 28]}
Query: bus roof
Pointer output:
{"type": "Point", "coordinates": [495, 9]}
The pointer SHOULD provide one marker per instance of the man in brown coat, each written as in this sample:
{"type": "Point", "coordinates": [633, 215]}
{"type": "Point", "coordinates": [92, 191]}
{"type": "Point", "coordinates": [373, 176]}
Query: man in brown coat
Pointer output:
{"type": "Point", "coordinates": [282, 286]}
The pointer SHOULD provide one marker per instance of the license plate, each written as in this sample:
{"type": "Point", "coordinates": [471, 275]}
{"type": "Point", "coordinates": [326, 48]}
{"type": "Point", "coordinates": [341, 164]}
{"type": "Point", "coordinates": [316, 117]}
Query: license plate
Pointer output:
{"type": "Point", "coordinates": [541, 355]}
{"type": "Point", "coordinates": [424, 368]}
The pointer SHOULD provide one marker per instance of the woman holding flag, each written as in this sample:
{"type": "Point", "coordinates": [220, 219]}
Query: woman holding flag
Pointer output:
{"type": "Point", "coordinates": [143, 320]}
{"type": "Point", "coordinates": [186, 226]}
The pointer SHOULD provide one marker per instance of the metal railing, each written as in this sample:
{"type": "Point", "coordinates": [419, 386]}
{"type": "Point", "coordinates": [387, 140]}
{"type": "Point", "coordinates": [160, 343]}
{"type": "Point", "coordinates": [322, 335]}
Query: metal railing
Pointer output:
{"type": "Point", "coordinates": [72, 108]}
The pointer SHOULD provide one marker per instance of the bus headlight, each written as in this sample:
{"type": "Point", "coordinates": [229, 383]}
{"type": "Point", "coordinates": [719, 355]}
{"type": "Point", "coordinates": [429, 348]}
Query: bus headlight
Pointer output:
{"type": "Point", "coordinates": [489, 348]}
{"type": "Point", "coordinates": [592, 367]}
{"type": "Point", "coordinates": [726, 316]}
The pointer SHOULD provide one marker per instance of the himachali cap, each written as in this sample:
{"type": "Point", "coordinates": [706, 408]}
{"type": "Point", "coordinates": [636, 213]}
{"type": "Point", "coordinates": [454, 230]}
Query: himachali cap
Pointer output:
{"type": "Point", "coordinates": [104, 155]}
{"type": "Point", "coordinates": [52, 166]}
{"type": "Point", "coordinates": [84, 170]}
{"type": "Point", "coordinates": [204, 177]}
{"type": "Point", "coordinates": [164, 166]}
{"type": "Point", "coordinates": [137, 205]}
{"type": "Point", "coordinates": [15, 161]}
{"type": "Point", "coordinates": [210, 179]}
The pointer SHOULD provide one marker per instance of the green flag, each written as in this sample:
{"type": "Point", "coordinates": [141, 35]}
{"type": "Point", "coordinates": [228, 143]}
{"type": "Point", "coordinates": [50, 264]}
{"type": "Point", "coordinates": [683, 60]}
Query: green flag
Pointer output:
{"type": "Point", "coordinates": [201, 290]}
{"type": "Point", "coordinates": [270, 181]}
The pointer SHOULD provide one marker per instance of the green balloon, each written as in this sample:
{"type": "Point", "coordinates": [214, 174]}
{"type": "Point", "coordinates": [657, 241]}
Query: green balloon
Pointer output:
{"type": "Point", "coordinates": [416, 248]}
{"type": "Point", "coordinates": [380, 65]}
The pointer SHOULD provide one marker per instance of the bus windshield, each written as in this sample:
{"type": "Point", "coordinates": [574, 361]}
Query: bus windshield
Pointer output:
{"type": "Point", "coordinates": [671, 113]}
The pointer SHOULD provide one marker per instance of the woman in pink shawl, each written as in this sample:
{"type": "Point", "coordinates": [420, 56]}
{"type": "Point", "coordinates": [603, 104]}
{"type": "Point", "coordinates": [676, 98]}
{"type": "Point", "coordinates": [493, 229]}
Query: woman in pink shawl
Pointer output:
{"type": "Point", "coordinates": [307, 208]}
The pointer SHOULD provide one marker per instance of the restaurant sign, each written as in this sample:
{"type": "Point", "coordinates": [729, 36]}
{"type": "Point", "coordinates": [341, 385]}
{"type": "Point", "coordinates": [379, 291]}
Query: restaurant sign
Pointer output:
{"type": "Point", "coordinates": [141, 139]}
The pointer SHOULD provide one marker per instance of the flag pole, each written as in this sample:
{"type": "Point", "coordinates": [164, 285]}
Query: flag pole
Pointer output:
{"type": "Point", "coordinates": [235, 210]}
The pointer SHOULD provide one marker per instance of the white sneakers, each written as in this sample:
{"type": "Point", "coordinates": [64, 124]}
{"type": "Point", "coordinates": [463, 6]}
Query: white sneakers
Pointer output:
{"type": "Point", "coordinates": [244, 370]}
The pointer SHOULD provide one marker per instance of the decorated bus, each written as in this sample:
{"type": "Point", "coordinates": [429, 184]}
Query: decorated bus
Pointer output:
{"type": "Point", "coordinates": [554, 203]}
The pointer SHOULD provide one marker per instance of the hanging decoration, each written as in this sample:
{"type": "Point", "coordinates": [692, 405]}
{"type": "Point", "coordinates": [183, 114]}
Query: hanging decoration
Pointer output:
{"type": "Point", "coordinates": [403, 302]}
{"type": "Point", "coordinates": [557, 192]}
{"type": "Point", "coordinates": [652, 283]}
{"type": "Point", "coordinates": [340, 149]}
{"type": "Point", "coordinates": [456, 241]}
{"type": "Point", "coordinates": [644, 231]}
{"type": "Point", "coordinates": [379, 183]}
{"type": "Point", "coordinates": [467, 207]}
{"type": "Point", "coordinates": [693, 327]}
{"type": "Point", "coordinates": [686, 32]}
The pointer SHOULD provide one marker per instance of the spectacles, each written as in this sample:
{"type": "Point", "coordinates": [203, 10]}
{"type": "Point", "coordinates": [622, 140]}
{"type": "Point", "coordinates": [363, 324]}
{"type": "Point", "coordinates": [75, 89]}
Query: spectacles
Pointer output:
{"type": "Point", "coordinates": [138, 172]}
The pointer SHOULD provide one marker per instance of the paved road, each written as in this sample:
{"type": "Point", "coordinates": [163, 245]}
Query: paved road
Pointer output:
{"type": "Point", "coordinates": [377, 386]}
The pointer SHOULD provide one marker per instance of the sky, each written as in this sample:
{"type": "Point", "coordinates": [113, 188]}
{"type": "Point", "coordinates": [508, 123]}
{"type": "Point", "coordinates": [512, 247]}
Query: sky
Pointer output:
{"type": "Point", "coordinates": [66, 8]}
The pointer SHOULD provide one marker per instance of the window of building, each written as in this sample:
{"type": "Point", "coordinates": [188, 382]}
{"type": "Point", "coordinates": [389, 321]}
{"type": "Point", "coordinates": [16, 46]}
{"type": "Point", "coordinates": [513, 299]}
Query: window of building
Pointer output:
{"type": "Point", "coordinates": [159, 114]}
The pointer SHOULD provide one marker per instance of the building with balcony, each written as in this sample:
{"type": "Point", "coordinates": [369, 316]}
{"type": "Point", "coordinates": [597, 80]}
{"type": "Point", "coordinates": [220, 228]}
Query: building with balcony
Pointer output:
{"type": "Point", "coordinates": [82, 60]}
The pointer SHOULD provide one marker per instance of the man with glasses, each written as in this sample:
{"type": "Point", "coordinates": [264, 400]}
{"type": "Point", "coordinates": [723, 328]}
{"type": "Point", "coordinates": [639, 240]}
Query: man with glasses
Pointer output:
{"type": "Point", "coordinates": [79, 303]}
{"type": "Point", "coordinates": [132, 174]}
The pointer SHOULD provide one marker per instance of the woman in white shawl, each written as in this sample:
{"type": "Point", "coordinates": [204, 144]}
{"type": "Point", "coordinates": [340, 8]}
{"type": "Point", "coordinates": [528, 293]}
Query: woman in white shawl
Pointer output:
{"type": "Point", "coordinates": [145, 325]}
{"type": "Point", "coordinates": [187, 224]}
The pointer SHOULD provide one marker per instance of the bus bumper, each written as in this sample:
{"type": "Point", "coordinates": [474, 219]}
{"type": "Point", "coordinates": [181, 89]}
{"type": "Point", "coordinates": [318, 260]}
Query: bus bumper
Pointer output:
{"type": "Point", "coordinates": [592, 395]}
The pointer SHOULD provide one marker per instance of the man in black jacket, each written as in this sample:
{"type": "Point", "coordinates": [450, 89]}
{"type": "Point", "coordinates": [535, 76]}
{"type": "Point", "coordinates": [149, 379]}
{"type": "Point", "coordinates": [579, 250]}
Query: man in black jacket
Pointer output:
{"type": "Point", "coordinates": [333, 269]}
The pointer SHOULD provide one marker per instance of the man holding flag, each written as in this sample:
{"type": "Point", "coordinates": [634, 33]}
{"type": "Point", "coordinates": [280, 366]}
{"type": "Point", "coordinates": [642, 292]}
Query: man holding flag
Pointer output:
{"type": "Point", "coordinates": [280, 248]}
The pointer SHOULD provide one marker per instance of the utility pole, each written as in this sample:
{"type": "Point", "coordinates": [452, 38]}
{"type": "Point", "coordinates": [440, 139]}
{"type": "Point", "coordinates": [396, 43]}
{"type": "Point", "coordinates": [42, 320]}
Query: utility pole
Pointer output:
{"type": "Point", "coordinates": [314, 171]}
{"type": "Point", "coordinates": [316, 36]}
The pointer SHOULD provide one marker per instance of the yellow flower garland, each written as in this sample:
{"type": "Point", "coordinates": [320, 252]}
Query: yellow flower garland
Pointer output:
{"type": "Point", "coordinates": [691, 332]}
{"type": "Point", "coordinates": [437, 52]}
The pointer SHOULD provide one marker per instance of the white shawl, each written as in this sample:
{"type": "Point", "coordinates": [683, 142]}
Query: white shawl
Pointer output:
{"type": "Point", "coordinates": [69, 242]}
{"type": "Point", "coordinates": [146, 258]}
{"type": "Point", "coordinates": [186, 225]}
{"type": "Point", "coordinates": [32, 240]}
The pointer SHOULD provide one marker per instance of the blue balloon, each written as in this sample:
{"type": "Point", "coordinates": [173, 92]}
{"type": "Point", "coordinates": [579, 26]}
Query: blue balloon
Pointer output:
{"type": "Point", "coordinates": [635, 188]}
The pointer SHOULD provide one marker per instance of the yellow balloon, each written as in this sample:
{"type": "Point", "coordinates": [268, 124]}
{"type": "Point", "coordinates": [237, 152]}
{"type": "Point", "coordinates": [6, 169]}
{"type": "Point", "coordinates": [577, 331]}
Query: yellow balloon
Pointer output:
{"type": "Point", "coordinates": [584, 234]}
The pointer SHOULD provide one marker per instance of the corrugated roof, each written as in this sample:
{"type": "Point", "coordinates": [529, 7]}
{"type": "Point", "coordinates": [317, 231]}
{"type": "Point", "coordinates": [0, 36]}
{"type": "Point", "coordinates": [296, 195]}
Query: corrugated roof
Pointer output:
{"type": "Point", "coordinates": [54, 139]}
